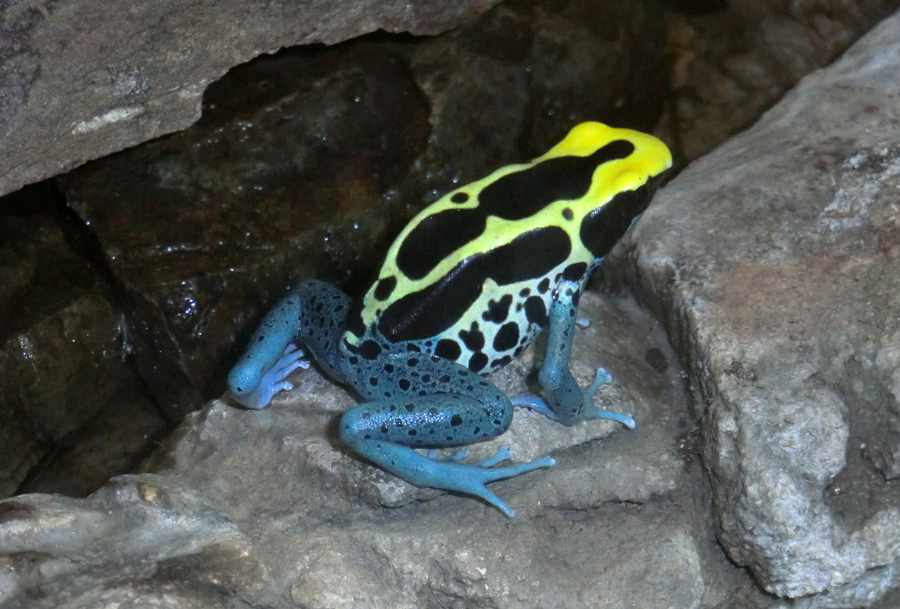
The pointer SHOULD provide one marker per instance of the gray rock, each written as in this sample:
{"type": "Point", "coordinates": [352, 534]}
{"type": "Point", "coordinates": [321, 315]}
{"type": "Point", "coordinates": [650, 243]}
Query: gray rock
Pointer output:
{"type": "Point", "coordinates": [251, 506]}
{"type": "Point", "coordinates": [82, 79]}
{"type": "Point", "coordinates": [774, 261]}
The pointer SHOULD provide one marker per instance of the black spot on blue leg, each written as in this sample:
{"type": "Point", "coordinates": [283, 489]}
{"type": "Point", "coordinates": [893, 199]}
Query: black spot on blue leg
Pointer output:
{"type": "Point", "coordinates": [369, 350]}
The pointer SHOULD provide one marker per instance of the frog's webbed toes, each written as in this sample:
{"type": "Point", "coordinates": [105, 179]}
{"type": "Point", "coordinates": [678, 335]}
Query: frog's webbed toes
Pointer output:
{"type": "Point", "coordinates": [477, 475]}
{"type": "Point", "coordinates": [453, 475]}
{"type": "Point", "coordinates": [272, 380]}
{"type": "Point", "coordinates": [592, 412]}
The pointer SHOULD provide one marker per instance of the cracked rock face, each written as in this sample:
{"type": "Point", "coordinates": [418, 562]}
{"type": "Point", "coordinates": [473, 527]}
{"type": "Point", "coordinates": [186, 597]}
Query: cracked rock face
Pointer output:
{"type": "Point", "coordinates": [776, 260]}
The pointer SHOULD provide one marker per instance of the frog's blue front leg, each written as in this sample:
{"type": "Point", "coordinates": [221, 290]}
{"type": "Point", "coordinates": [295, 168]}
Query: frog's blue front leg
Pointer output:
{"type": "Point", "coordinates": [568, 404]}
{"type": "Point", "coordinates": [447, 406]}
{"type": "Point", "coordinates": [270, 357]}
{"type": "Point", "coordinates": [315, 314]}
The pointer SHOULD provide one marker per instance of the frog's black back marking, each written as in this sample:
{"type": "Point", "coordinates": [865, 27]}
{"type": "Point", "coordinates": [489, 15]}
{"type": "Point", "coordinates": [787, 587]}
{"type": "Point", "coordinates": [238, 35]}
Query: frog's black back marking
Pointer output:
{"type": "Point", "coordinates": [515, 196]}
{"type": "Point", "coordinates": [524, 193]}
{"type": "Point", "coordinates": [544, 285]}
{"type": "Point", "coordinates": [436, 237]}
{"type": "Point", "coordinates": [603, 227]}
{"type": "Point", "coordinates": [385, 287]}
{"type": "Point", "coordinates": [498, 310]}
{"type": "Point", "coordinates": [437, 307]}
{"type": "Point", "coordinates": [478, 361]}
{"type": "Point", "coordinates": [448, 349]}
{"type": "Point", "coordinates": [473, 339]}
{"type": "Point", "coordinates": [575, 271]}
{"type": "Point", "coordinates": [536, 311]}
{"type": "Point", "coordinates": [507, 337]}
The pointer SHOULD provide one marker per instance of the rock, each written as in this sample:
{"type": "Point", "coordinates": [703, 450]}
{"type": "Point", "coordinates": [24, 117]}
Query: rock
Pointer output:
{"type": "Point", "coordinates": [774, 262]}
{"type": "Point", "coordinates": [83, 79]}
{"type": "Point", "coordinates": [66, 390]}
{"type": "Point", "coordinates": [784, 320]}
{"type": "Point", "coordinates": [140, 539]}
{"type": "Point", "coordinates": [730, 65]}
{"type": "Point", "coordinates": [266, 505]}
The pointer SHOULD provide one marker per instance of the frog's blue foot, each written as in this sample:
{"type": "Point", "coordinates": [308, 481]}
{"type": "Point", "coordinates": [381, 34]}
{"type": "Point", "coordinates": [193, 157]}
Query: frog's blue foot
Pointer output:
{"type": "Point", "coordinates": [590, 411]}
{"type": "Point", "coordinates": [272, 380]}
{"type": "Point", "coordinates": [425, 471]}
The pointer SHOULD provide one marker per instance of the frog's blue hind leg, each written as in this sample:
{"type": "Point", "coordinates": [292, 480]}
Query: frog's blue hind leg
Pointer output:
{"type": "Point", "coordinates": [271, 356]}
{"type": "Point", "coordinates": [566, 402]}
{"type": "Point", "coordinates": [459, 407]}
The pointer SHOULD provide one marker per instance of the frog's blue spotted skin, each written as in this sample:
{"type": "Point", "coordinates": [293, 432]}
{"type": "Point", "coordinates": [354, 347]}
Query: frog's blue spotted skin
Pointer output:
{"type": "Point", "coordinates": [464, 289]}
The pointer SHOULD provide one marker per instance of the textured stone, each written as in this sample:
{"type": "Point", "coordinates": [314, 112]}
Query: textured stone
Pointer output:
{"type": "Point", "coordinates": [774, 260]}
{"type": "Point", "coordinates": [266, 506]}
{"type": "Point", "coordinates": [81, 79]}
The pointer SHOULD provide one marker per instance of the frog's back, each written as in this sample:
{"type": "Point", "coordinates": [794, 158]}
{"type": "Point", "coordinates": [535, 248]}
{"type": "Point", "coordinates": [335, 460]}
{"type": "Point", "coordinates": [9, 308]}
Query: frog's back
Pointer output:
{"type": "Point", "coordinates": [472, 276]}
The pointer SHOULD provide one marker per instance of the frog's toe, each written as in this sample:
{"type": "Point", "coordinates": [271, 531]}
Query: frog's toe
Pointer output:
{"type": "Point", "coordinates": [290, 361]}
{"type": "Point", "coordinates": [533, 402]}
{"type": "Point", "coordinates": [272, 381]}
{"type": "Point", "coordinates": [476, 476]}
{"type": "Point", "coordinates": [600, 379]}
{"type": "Point", "coordinates": [282, 368]}
{"type": "Point", "coordinates": [592, 412]}
{"type": "Point", "coordinates": [502, 455]}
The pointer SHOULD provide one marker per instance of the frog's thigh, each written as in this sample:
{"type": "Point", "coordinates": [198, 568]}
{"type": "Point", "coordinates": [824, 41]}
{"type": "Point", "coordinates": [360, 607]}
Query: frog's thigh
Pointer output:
{"type": "Point", "coordinates": [384, 429]}
{"type": "Point", "coordinates": [458, 406]}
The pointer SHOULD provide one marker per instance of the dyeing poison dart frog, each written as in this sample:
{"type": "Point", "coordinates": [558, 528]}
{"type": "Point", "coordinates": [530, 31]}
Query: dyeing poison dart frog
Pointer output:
{"type": "Point", "coordinates": [467, 285]}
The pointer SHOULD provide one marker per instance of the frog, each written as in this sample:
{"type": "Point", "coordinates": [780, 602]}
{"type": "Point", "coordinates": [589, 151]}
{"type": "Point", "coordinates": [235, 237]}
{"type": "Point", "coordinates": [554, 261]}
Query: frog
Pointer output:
{"type": "Point", "coordinates": [467, 285]}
